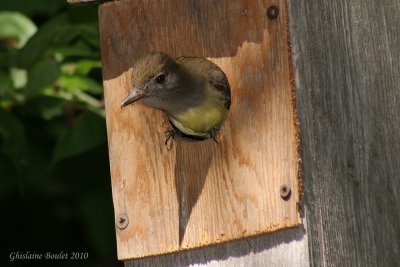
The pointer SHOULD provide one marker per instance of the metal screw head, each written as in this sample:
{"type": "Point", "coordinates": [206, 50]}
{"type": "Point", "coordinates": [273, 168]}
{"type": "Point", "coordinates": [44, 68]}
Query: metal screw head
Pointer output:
{"type": "Point", "coordinates": [122, 221]}
{"type": "Point", "coordinates": [285, 191]}
{"type": "Point", "coordinates": [273, 12]}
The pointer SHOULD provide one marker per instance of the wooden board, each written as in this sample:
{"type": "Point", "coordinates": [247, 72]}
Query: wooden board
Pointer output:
{"type": "Point", "coordinates": [347, 59]}
{"type": "Point", "coordinates": [278, 249]}
{"type": "Point", "coordinates": [201, 193]}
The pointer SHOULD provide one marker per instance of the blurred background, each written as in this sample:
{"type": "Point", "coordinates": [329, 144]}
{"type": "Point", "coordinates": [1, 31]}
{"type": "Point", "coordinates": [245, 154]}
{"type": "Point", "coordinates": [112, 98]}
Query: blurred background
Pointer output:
{"type": "Point", "coordinates": [55, 185]}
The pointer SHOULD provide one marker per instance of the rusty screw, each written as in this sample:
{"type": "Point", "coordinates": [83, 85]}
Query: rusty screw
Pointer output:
{"type": "Point", "coordinates": [285, 191]}
{"type": "Point", "coordinates": [273, 12]}
{"type": "Point", "coordinates": [122, 221]}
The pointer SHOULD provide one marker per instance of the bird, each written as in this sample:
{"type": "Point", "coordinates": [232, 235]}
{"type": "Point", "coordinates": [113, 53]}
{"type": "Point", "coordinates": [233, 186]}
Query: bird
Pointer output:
{"type": "Point", "coordinates": [193, 92]}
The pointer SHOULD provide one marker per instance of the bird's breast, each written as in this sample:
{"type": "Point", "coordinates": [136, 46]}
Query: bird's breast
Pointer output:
{"type": "Point", "coordinates": [200, 120]}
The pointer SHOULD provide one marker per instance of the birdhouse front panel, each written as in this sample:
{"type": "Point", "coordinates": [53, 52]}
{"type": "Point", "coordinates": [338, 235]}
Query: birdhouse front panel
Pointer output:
{"type": "Point", "coordinates": [172, 193]}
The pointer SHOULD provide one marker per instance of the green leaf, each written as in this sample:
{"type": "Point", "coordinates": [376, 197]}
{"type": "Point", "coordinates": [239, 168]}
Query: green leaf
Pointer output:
{"type": "Point", "coordinates": [13, 140]}
{"type": "Point", "coordinates": [79, 83]}
{"type": "Point", "coordinates": [6, 84]}
{"type": "Point", "coordinates": [82, 67]}
{"type": "Point", "coordinates": [84, 100]}
{"type": "Point", "coordinates": [6, 91]}
{"type": "Point", "coordinates": [90, 103]}
{"type": "Point", "coordinates": [88, 133]}
{"type": "Point", "coordinates": [19, 77]}
{"type": "Point", "coordinates": [46, 37]}
{"type": "Point", "coordinates": [77, 49]}
{"type": "Point", "coordinates": [43, 74]}
{"type": "Point", "coordinates": [85, 66]}
{"type": "Point", "coordinates": [9, 87]}
{"type": "Point", "coordinates": [59, 32]}
{"type": "Point", "coordinates": [16, 25]}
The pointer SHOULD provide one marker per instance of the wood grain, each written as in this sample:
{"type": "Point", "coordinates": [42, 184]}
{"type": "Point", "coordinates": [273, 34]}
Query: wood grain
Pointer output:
{"type": "Point", "coordinates": [347, 61]}
{"type": "Point", "coordinates": [201, 193]}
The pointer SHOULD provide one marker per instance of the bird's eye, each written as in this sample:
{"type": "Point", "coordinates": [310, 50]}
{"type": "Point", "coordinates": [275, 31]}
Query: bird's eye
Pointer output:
{"type": "Point", "coordinates": [160, 78]}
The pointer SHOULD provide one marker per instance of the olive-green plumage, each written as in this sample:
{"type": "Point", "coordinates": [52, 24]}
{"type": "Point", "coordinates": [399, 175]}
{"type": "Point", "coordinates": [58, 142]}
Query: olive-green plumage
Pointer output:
{"type": "Point", "coordinates": [193, 92]}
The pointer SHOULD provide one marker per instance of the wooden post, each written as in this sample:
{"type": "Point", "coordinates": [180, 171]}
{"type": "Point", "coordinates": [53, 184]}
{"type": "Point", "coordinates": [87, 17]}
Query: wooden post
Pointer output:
{"type": "Point", "coordinates": [347, 62]}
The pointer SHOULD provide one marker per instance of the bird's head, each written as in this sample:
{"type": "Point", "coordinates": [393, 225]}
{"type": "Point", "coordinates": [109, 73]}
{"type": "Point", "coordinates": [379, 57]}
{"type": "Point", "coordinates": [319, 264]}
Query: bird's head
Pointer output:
{"type": "Point", "coordinates": [154, 78]}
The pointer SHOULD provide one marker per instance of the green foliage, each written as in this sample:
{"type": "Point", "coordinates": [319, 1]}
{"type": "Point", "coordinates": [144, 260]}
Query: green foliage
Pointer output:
{"type": "Point", "coordinates": [16, 25]}
{"type": "Point", "coordinates": [87, 134]}
{"type": "Point", "coordinates": [53, 149]}
{"type": "Point", "coordinates": [42, 74]}
{"type": "Point", "coordinates": [49, 71]}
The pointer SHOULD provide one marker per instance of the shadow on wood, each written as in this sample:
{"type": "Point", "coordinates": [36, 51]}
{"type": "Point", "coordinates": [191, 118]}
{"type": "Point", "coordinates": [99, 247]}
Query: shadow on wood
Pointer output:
{"type": "Point", "coordinates": [147, 28]}
{"type": "Point", "coordinates": [193, 159]}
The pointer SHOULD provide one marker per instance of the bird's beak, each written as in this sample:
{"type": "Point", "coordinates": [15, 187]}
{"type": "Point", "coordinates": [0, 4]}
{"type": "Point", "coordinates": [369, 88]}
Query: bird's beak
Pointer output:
{"type": "Point", "coordinates": [133, 96]}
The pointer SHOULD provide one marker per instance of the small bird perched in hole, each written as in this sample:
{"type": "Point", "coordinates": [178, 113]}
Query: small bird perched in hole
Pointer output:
{"type": "Point", "coordinates": [192, 91]}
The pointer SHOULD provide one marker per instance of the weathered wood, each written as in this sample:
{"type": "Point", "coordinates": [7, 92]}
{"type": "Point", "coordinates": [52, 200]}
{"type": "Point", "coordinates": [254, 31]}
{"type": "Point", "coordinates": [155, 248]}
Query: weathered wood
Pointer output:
{"type": "Point", "coordinates": [284, 248]}
{"type": "Point", "coordinates": [200, 193]}
{"type": "Point", "coordinates": [347, 60]}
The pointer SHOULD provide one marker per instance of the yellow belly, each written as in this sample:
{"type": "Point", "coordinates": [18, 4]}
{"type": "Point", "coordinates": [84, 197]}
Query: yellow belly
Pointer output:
{"type": "Point", "coordinates": [199, 121]}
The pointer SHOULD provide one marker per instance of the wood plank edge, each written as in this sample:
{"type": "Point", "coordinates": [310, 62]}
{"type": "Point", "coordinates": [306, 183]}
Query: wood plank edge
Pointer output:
{"type": "Point", "coordinates": [292, 80]}
{"type": "Point", "coordinates": [271, 229]}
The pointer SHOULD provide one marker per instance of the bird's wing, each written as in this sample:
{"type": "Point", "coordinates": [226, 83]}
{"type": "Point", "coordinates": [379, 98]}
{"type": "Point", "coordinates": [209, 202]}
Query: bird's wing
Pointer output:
{"type": "Point", "coordinates": [215, 76]}
{"type": "Point", "coordinates": [218, 80]}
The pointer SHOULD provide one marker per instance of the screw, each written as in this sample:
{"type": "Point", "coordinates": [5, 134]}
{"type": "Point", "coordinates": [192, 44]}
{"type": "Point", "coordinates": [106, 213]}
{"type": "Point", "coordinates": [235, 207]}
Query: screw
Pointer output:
{"type": "Point", "coordinates": [272, 12]}
{"type": "Point", "coordinates": [285, 191]}
{"type": "Point", "coordinates": [122, 221]}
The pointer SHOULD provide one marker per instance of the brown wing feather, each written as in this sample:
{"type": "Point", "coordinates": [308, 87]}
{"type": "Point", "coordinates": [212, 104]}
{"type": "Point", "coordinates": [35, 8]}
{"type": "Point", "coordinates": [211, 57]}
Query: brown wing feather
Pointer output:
{"type": "Point", "coordinates": [215, 76]}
